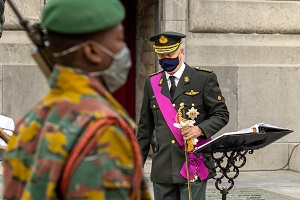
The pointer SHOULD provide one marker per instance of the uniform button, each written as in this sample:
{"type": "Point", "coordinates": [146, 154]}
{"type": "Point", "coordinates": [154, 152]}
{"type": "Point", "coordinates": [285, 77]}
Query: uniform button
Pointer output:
{"type": "Point", "coordinates": [173, 105]}
{"type": "Point", "coordinates": [173, 141]}
{"type": "Point", "coordinates": [154, 106]}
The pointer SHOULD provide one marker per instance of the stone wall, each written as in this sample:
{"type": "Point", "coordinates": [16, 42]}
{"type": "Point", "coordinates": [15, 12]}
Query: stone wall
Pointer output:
{"type": "Point", "coordinates": [21, 82]}
{"type": "Point", "coordinates": [147, 12]}
{"type": "Point", "coordinates": [253, 46]}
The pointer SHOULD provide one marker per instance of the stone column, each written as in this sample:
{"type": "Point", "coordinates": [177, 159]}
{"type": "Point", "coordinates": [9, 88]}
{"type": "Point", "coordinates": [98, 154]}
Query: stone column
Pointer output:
{"type": "Point", "coordinates": [147, 11]}
{"type": "Point", "coordinates": [22, 84]}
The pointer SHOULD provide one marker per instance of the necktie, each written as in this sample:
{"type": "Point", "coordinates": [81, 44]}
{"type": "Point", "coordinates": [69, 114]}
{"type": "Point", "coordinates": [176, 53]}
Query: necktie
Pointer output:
{"type": "Point", "coordinates": [173, 86]}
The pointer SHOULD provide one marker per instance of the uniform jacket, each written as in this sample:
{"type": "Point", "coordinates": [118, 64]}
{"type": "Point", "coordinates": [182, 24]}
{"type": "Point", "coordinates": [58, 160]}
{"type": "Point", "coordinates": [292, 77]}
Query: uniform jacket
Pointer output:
{"type": "Point", "coordinates": [168, 156]}
{"type": "Point", "coordinates": [43, 139]}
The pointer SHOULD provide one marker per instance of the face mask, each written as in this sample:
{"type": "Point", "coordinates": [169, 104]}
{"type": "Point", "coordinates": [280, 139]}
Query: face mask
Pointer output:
{"type": "Point", "coordinates": [169, 64]}
{"type": "Point", "coordinates": [115, 76]}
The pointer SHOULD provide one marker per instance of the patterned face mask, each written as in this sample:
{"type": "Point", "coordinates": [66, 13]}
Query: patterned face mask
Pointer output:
{"type": "Point", "coordinates": [115, 76]}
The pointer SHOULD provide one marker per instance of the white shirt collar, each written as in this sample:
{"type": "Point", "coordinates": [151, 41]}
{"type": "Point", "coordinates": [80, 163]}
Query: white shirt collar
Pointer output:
{"type": "Point", "coordinates": [178, 73]}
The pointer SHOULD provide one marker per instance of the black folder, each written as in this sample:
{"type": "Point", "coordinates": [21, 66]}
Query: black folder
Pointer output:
{"type": "Point", "coordinates": [256, 137]}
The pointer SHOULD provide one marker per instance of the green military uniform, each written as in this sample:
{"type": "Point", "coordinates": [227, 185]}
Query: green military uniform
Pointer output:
{"type": "Point", "coordinates": [77, 108]}
{"type": "Point", "coordinates": [197, 88]}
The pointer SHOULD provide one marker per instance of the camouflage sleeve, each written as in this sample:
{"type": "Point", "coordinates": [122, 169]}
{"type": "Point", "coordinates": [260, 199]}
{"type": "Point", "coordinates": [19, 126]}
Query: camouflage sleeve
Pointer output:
{"type": "Point", "coordinates": [106, 172]}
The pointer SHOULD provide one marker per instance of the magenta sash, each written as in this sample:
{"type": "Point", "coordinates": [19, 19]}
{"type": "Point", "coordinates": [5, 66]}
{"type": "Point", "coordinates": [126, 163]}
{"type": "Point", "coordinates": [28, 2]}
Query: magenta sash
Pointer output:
{"type": "Point", "coordinates": [196, 165]}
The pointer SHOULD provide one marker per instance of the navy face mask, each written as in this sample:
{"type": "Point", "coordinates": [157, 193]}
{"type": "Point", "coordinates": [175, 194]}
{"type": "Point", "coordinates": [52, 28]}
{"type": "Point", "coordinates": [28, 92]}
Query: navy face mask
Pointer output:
{"type": "Point", "coordinates": [169, 64]}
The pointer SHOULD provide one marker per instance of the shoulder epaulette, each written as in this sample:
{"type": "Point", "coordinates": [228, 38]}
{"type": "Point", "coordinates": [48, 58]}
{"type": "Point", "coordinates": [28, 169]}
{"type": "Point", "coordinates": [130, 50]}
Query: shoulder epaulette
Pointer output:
{"type": "Point", "coordinates": [204, 69]}
{"type": "Point", "coordinates": [155, 73]}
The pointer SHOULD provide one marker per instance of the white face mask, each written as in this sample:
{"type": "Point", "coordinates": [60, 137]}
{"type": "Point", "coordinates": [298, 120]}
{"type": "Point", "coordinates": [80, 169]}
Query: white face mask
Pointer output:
{"type": "Point", "coordinates": [115, 76]}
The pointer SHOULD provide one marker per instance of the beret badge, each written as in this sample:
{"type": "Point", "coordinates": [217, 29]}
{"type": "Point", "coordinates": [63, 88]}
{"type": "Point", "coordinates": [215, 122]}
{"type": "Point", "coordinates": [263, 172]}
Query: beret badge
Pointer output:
{"type": "Point", "coordinates": [163, 39]}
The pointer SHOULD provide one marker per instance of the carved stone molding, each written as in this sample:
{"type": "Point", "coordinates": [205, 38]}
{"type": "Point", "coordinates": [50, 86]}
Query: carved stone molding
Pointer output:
{"type": "Point", "coordinates": [244, 16]}
{"type": "Point", "coordinates": [30, 9]}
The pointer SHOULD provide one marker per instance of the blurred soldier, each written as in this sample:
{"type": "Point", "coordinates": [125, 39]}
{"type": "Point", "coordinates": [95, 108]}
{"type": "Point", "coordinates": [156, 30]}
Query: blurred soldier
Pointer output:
{"type": "Point", "coordinates": [1, 16]}
{"type": "Point", "coordinates": [165, 91]}
{"type": "Point", "coordinates": [78, 142]}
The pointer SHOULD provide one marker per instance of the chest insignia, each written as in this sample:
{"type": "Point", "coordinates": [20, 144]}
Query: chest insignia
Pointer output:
{"type": "Point", "coordinates": [191, 93]}
{"type": "Point", "coordinates": [192, 113]}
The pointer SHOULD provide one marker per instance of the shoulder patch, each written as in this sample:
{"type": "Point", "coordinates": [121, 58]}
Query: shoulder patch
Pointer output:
{"type": "Point", "coordinates": [204, 69]}
{"type": "Point", "coordinates": [156, 73]}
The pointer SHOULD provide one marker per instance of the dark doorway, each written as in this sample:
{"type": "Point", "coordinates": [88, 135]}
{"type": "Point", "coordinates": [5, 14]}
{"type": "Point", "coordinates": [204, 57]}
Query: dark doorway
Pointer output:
{"type": "Point", "coordinates": [126, 94]}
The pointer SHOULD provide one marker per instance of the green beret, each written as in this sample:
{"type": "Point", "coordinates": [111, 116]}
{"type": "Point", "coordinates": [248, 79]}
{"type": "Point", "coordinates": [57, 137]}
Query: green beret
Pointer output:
{"type": "Point", "coordinates": [81, 16]}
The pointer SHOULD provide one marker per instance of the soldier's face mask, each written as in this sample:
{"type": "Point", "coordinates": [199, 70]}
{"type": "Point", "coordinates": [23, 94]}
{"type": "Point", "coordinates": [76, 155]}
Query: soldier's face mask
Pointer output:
{"type": "Point", "coordinates": [115, 76]}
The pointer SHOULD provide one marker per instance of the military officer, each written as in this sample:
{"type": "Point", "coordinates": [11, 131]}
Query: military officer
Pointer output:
{"type": "Point", "coordinates": [178, 84]}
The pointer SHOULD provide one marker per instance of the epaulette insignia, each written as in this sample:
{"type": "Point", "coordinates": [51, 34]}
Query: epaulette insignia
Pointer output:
{"type": "Point", "coordinates": [204, 69]}
{"type": "Point", "coordinates": [186, 79]}
{"type": "Point", "coordinates": [155, 73]}
{"type": "Point", "coordinates": [160, 81]}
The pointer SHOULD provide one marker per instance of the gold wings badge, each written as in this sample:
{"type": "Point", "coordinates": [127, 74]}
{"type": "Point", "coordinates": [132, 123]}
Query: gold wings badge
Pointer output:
{"type": "Point", "coordinates": [191, 93]}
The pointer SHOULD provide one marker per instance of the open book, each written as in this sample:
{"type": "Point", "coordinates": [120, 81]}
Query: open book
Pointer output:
{"type": "Point", "coordinates": [255, 137]}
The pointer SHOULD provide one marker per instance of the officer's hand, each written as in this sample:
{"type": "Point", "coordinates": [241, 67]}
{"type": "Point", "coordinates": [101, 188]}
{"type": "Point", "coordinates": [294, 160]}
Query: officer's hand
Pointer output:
{"type": "Point", "coordinates": [190, 132]}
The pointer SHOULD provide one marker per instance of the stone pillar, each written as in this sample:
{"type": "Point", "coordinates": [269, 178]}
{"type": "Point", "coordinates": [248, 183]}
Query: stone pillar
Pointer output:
{"type": "Point", "coordinates": [22, 84]}
{"type": "Point", "coordinates": [145, 57]}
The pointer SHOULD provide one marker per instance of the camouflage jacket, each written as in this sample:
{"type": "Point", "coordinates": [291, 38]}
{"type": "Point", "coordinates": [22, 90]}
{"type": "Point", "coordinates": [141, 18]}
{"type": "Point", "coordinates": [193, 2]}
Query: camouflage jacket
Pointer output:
{"type": "Point", "coordinates": [43, 139]}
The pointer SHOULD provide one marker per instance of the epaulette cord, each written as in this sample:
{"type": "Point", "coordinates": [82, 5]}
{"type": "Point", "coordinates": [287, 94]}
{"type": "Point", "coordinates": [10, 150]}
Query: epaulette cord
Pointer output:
{"type": "Point", "coordinates": [204, 69]}
{"type": "Point", "coordinates": [155, 73]}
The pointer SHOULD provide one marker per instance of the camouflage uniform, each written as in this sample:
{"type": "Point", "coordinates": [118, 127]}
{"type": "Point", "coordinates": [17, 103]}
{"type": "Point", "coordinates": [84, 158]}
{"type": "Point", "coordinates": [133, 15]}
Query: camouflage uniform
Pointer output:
{"type": "Point", "coordinates": [43, 139]}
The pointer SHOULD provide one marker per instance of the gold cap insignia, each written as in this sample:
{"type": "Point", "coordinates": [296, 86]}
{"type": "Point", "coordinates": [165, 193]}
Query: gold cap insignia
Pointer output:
{"type": "Point", "coordinates": [163, 39]}
{"type": "Point", "coordinates": [219, 98]}
{"type": "Point", "coordinates": [191, 93]}
{"type": "Point", "coordinates": [186, 79]}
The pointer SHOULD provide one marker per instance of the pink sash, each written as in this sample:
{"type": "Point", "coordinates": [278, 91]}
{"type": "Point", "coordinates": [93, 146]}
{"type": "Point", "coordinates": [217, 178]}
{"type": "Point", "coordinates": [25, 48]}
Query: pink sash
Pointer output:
{"type": "Point", "coordinates": [196, 165]}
